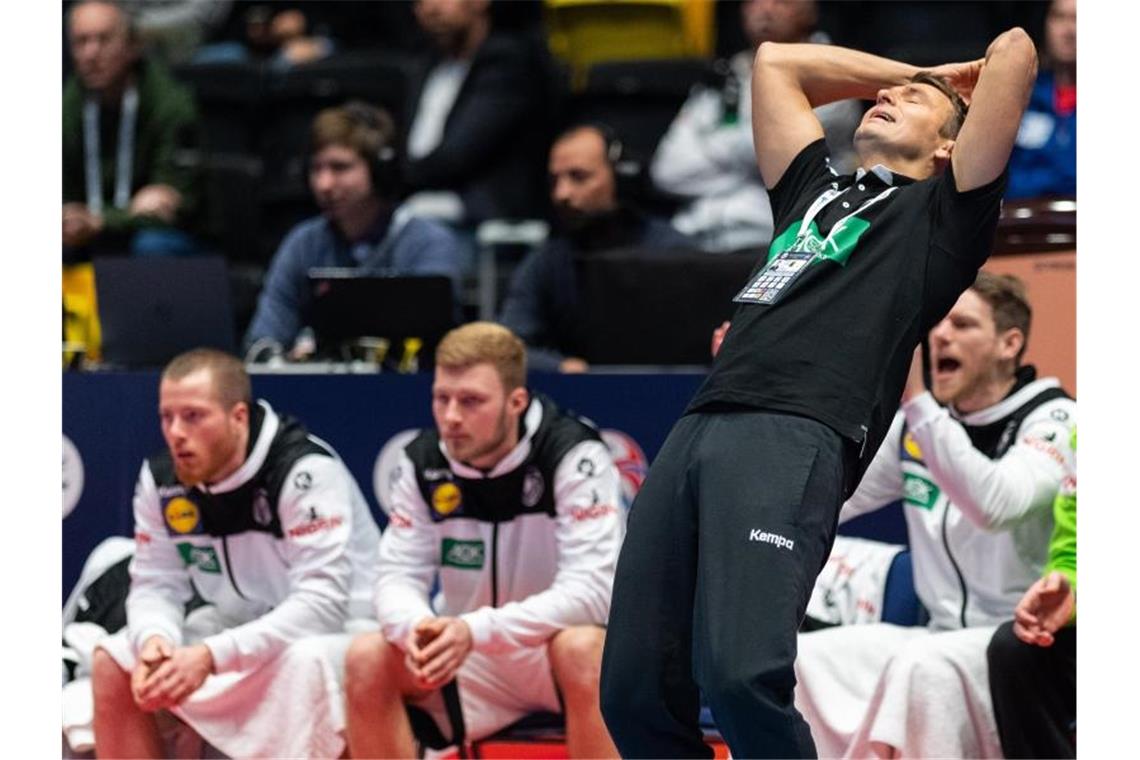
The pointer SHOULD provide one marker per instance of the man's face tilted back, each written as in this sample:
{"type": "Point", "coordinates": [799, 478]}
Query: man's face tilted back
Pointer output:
{"type": "Point", "coordinates": [100, 45]}
{"type": "Point", "coordinates": [477, 417]}
{"type": "Point", "coordinates": [206, 440]}
{"type": "Point", "coordinates": [968, 352]}
{"type": "Point", "coordinates": [582, 184]}
{"type": "Point", "coordinates": [906, 122]}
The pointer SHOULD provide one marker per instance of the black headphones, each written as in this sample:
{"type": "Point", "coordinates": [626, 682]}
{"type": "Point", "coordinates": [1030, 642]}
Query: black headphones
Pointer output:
{"type": "Point", "coordinates": [628, 171]}
{"type": "Point", "coordinates": [383, 161]}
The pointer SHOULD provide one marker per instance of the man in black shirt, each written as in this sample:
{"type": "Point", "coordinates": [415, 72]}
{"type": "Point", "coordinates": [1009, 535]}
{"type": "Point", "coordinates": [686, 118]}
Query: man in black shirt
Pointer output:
{"type": "Point", "coordinates": [739, 510]}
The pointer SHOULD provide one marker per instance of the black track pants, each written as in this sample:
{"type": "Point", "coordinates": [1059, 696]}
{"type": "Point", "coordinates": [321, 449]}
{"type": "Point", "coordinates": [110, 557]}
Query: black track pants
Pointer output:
{"type": "Point", "coordinates": [725, 540]}
{"type": "Point", "coordinates": [1034, 690]}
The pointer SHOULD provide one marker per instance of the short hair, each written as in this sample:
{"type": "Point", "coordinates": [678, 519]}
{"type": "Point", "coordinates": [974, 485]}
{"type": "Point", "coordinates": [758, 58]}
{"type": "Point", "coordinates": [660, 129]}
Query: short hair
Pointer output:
{"type": "Point", "coordinates": [954, 123]}
{"type": "Point", "coordinates": [231, 381]}
{"type": "Point", "coordinates": [478, 342]}
{"type": "Point", "coordinates": [360, 126]}
{"type": "Point", "coordinates": [127, 14]}
{"type": "Point", "coordinates": [1007, 298]}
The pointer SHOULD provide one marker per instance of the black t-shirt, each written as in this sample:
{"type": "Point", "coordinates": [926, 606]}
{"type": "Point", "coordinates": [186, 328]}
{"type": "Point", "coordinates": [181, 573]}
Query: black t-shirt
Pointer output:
{"type": "Point", "coordinates": [837, 343]}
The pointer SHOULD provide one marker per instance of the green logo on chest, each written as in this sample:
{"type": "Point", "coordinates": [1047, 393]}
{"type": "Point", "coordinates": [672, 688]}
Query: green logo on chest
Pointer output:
{"type": "Point", "coordinates": [202, 557]}
{"type": "Point", "coordinates": [466, 555]}
{"type": "Point", "coordinates": [836, 246]}
{"type": "Point", "coordinates": [919, 492]}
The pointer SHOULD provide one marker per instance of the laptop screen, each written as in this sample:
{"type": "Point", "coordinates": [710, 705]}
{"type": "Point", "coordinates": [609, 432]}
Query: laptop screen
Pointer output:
{"type": "Point", "coordinates": [349, 305]}
{"type": "Point", "coordinates": [152, 309]}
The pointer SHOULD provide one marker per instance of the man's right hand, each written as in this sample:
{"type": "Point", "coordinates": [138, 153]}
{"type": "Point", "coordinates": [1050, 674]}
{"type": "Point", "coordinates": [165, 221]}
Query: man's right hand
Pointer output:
{"type": "Point", "coordinates": [155, 651]}
{"type": "Point", "coordinates": [718, 337]}
{"type": "Point", "coordinates": [436, 648]}
{"type": "Point", "coordinates": [79, 225]}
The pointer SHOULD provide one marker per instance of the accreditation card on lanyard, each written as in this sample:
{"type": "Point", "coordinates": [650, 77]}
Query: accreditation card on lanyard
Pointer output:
{"type": "Point", "coordinates": [777, 276]}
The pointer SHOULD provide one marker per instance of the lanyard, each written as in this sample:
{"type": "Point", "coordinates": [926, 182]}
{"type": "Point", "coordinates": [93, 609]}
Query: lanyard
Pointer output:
{"type": "Point", "coordinates": [817, 206]}
{"type": "Point", "coordinates": [126, 148]}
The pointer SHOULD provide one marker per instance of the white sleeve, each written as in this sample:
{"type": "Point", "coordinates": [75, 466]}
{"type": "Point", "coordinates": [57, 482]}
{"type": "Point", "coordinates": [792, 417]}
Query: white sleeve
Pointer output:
{"type": "Point", "coordinates": [882, 482]}
{"type": "Point", "coordinates": [588, 534]}
{"type": "Point", "coordinates": [700, 156]}
{"type": "Point", "coordinates": [409, 559]}
{"type": "Point", "coordinates": [996, 493]}
{"type": "Point", "coordinates": [316, 520]}
{"type": "Point", "coordinates": [160, 583]}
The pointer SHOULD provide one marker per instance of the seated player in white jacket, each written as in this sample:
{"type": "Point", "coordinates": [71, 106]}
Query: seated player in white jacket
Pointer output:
{"type": "Point", "coordinates": [514, 504]}
{"type": "Point", "coordinates": [977, 478]}
{"type": "Point", "coordinates": [265, 521]}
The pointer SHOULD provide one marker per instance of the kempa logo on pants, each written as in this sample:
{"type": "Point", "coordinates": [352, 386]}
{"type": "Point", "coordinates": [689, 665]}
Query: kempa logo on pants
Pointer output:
{"type": "Point", "coordinates": [771, 538]}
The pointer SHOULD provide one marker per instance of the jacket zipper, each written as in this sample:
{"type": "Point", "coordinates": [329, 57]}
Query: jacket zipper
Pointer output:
{"type": "Point", "coordinates": [954, 564]}
{"type": "Point", "coordinates": [495, 564]}
{"type": "Point", "coordinates": [226, 555]}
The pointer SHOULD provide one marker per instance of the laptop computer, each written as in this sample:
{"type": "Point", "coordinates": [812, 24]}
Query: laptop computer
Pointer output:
{"type": "Point", "coordinates": [152, 309]}
{"type": "Point", "coordinates": [349, 305]}
{"type": "Point", "coordinates": [656, 307]}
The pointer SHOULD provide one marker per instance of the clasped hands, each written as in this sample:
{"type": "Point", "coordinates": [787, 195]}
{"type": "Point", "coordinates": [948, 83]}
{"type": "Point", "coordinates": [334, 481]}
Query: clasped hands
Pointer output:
{"type": "Point", "coordinates": [166, 675]}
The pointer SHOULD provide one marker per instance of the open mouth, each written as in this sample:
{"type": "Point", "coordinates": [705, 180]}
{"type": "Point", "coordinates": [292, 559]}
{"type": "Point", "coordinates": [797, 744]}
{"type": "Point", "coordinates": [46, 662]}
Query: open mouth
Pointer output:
{"type": "Point", "coordinates": [946, 365]}
{"type": "Point", "coordinates": [882, 116]}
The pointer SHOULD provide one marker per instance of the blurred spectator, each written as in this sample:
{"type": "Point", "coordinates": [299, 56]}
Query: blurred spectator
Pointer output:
{"type": "Point", "coordinates": [130, 135]}
{"type": "Point", "coordinates": [590, 215]}
{"type": "Point", "coordinates": [477, 133]}
{"type": "Point", "coordinates": [281, 33]}
{"type": "Point", "coordinates": [353, 177]}
{"type": "Point", "coordinates": [707, 156]}
{"type": "Point", "coordinates": [977, 479]}
{"type": "Point", "coordinates": [171, 30]}
{"type": "Point", "coordinates": [1033, 658]}
{"type": "Point", "coordinates": [1044, 160]}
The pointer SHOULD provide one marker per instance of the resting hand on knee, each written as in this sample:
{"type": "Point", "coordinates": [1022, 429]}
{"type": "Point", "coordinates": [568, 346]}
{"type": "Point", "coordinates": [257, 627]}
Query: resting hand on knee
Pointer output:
{"type": "Point", "coordinates": [165, 675]}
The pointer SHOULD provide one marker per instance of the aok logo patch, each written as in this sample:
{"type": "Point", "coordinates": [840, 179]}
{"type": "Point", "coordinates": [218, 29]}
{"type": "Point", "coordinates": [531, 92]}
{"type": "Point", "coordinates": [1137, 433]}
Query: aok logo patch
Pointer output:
{"type": "Point", "coordinates": [466, 555]}
{"type": "Point", "coordinates": [446, 498]}
{"type": "Point", "coordinates": [202, 557]}
{"type": "Point", "coordinates": [181, 515]}
{"type": "Point", "coordinates": [919, 491]}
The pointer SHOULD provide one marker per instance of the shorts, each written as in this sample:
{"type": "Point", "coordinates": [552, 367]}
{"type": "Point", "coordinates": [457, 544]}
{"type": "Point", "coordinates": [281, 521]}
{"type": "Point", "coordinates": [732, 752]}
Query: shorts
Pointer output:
{"type": "Point", "coordinates": [495, 691]}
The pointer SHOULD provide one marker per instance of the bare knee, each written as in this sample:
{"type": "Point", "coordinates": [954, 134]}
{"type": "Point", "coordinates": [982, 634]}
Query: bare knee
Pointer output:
{"type": "Point", "coordinates": [576, 659]}
{"type": "Point", "coordinates": [111, 684]}
{"type": "Point", "coordinates": [371, 665]}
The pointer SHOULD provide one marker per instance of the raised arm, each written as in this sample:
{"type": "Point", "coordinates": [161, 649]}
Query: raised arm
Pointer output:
{"type": "Point", "coordinates": [1004, 81]}
{"type": "Point", "coordinates": [789, 80]}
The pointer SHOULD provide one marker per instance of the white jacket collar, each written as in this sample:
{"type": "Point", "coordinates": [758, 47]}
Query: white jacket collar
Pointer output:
{"type": "Point", "coordinates": [239, 477]}
{"type": "Point", "coordinates": [531, 419]}
{"type": "Point", "coordinates": [1007, 405]}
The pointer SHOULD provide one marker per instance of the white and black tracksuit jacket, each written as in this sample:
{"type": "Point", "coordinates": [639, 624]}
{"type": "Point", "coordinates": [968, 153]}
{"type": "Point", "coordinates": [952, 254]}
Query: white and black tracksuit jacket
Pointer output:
{"type": "Point", "coordinates": [522, 551]}
{"type": "Point", "coordinates": [285, 547]}
{"type": "Point", "coordinates": [977, 492]}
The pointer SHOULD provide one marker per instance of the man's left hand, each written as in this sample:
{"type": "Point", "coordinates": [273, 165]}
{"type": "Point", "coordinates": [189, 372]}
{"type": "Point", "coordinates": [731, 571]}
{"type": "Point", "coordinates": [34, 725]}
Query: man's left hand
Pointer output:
{"type": "Point", "coordinates": [914, 382]}
{"type": "Point", "coordinates": [177, 677]}
{"type": "Point", "coordinates": [445, 644]}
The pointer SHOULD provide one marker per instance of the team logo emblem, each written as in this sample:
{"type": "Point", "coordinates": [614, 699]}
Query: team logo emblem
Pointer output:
{"type": "Point", "coordinates": [911, 447]}
{"type": "Point", "coordinates": [72, 476]}
{"type": "Point", "coordinates": [533, 487]}
{"type": "Point", "coordinates": [587, 467]}
{"type": "Point", "coordinates": [1060, 415]}
{"type": "Point", "coordinates": [181, 515]}
{"type": "Point", "coordinates": [631, 462]}
{"type": "Point", "coordinates": [446, 498]}
{"type": "Point", "coordinates": [303, 481]}
{"type": "Point", "coordinates": [262, 513]}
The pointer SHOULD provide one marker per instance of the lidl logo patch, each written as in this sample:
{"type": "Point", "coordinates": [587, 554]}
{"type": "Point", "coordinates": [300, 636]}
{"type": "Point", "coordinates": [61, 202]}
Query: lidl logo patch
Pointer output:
{"type": "Point", "coordinates": [446, 498]}
{"type": "Point", "coordinates": [181, 515]}
{"type": "Point", "coordinates": [911, 447]}
{"type": "Point", "coordinates": [467, 555]}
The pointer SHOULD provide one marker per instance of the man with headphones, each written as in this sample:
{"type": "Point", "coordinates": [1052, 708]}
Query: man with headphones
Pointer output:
{"type": "Point", "coordinates": [354, 179]}
{"type": "Point", "coordinates": [587, 170]}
